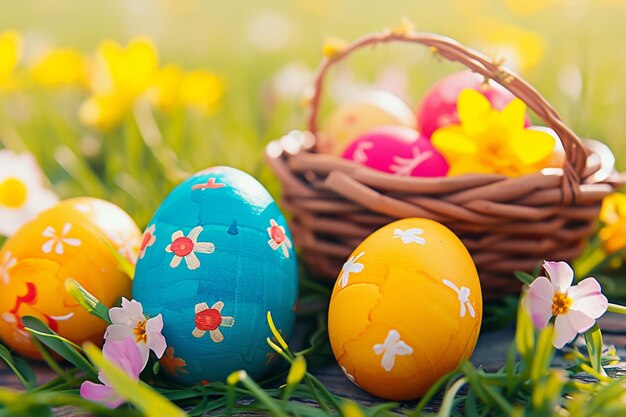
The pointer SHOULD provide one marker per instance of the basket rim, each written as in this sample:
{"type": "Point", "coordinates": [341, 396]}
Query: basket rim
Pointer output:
{"type": "Point", "coordinates": [576, 154]}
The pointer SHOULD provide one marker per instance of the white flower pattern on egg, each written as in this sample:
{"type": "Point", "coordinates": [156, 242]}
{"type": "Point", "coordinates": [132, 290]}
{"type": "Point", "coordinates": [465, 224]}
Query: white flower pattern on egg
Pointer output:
{"type": "Point", "coordinates": [186, 247]}
{"type": "Point", "coordinates": [351, 266]}
{"type": "Point", "coordinates": [408, 236]}
{"type": "Point", "coordinates": [390, 348]}
{"type": "Point", "coordinates": [56, 241]}
{"type": "Point", "coordinates": [403, 167]}
{"type": "Point", "coordinates": [8, 262]}
{"type": "Point", "coordinates": [463, 295]}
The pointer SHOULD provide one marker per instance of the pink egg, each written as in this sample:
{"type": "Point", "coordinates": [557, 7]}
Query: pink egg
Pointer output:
{"type": "Point", "coordinates": [438, 107]}
{"type": "Point", "coordinates": [397, 150]}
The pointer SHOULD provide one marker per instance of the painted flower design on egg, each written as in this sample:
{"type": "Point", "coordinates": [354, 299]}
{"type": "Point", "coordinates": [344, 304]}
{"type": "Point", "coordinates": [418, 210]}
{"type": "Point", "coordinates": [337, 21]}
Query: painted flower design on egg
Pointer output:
{"type": "Point", "coordinates": [404, 167]}
{"type": "Point", "coordinates": [187, 246]}
{"type": "Point", "coordinates": [408, 236]}
{"type": "Point", "coordinates": [148, 240]}
{"type": "Point", "coordinates": [463, 294]}
{"type": "Point", "coordinates": [57, 240]}
{"type": "Point", "coordinates": [351, 266]}
{"type": "Point", "coordinates": [278, 238]}
{"type": "Point", "coordinates": [392, 346]}
{"type": "Point", "coordinates": [8, 262]}
{"type": "Point", "coordinates": [209, 319]}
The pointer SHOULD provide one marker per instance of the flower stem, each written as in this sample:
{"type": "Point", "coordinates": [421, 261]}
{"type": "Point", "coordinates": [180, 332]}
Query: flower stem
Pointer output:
{"type": "Point", "coordinates": [616, 308]}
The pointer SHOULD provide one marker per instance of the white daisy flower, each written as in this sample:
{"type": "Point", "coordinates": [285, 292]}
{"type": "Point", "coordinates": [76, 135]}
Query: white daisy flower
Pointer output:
{"type": "Point", "coordinates": [22, 192]}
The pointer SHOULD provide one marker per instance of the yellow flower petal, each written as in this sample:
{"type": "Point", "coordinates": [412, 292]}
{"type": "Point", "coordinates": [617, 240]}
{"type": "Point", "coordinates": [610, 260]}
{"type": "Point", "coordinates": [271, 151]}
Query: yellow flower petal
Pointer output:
{"type": "Point", "coordinates": [275, 332]}
{"type": "Point", "coordinates": [474, 110]}
{"type": "Point", "coordinates": [10, 55]}
{"type": "Point", "coordinates": [452, 141]}
{"type": "Point", "coordinates": [103, 112]}
{"type": "Point", "coordinates": [514, 114]}
{"type": "Point", "coordinates": [532, 146]}
{"type": "Point", "coordinates": [59, 67]}
{"type": "Point", "coordinates": [202, 91]}
{"type": "Point", "coordinates": [297, 371]}
{"type": "Point", "coordinates": [469, 165]}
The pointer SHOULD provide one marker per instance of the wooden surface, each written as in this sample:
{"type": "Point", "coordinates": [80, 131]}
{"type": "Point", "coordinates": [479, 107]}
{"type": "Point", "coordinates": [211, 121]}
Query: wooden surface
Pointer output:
{"type": "Point", "coordinates": [490, 354]}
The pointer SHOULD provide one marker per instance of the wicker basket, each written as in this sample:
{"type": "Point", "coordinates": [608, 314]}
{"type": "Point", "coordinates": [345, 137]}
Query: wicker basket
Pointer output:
{"type": "Point", "coordinates": [506, 223]}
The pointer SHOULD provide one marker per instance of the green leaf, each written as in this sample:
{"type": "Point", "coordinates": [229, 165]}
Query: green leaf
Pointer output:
{"type": "Point", "coordinates": [525, 277]}
{"type": "Point", "coordinates": [141, 395]}
{"type": "Point", "coordinates": [525, 333]}
{"type": "Point", "coordinates": [544, 353]}
{"type": "Point", "coordinates": [20, 368]}
{"type": "Point", "coordinates": [60, 345]}
{"type": "Point", "coordinates": [593, 339]}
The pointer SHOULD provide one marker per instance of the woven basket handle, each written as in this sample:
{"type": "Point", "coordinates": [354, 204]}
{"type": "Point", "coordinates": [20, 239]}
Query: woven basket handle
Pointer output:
{"type": "Point", "coordinates": [576, 155]}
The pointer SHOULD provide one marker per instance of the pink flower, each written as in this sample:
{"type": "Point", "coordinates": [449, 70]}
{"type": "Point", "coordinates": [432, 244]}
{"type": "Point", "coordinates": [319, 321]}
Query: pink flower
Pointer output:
{"type": "Point", "coordinates": [129, 321]}
{"type": "Point", "coordinates": [126, 355]}
{"type": "Point", "coordinates": [576, 307]}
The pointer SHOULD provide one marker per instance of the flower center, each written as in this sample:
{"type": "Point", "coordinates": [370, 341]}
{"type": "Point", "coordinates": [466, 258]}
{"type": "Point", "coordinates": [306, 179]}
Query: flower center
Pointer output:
{"type": "Point", "coordinates": [140, 332]}
{"type": "Point", "coordinates": [209, 319]}
{"type": "Point", "coordinates": [13, 193]}
{"type": "Point", "coordinates": [277, 234]}
{"type": "Point", "coordinates": [182, 246]}
{"type": "Point", "coordinates": [561, 304]}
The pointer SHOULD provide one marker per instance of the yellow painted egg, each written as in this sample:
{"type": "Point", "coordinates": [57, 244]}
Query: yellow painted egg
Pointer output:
{"type": "Point", "coordinates": [406, 309]}
{"type": "Point", "coordinates": [360, 114]}
{"type": "Point", "coordinates": [70, 240]}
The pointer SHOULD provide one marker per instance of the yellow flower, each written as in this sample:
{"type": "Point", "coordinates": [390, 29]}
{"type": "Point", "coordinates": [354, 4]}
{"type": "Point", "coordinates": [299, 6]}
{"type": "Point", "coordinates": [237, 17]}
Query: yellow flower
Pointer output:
{"type": "Point", "coordinates": [202, 91]}
{"type": "Point", "coordinates": [613, 216]}
{"type": "Point", "coordinates": [104, 112]}
{"type": "Point", "coordinates": [125, 71]}
{"type": "Point", "coordinates": [60, 67]}
{"type": "Point", "coordinates": [521, 49]}
{"type": "Point", "coordinates": [164, 94]}
{"type": "Point", "coordinates": [297, 370]}
{"type": "Point", "coordinates": [119, 77]}
{"type": "Point", "coordinates": [492, 142]}
{"type": "Point", "coordinates": [10, 55]}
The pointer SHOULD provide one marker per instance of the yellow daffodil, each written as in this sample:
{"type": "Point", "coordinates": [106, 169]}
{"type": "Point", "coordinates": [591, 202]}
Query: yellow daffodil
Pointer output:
{"type": "Point", "coordinates": [60, 67]}
{"type": "Point", "coordinates": [492, 142]}
{"type": "Point", "coordinates": [201, 90]}
{"type": "Point", "coordinates": [22, 192]}
{"type": "Point", "coordinates": [127, 71]}
{"type": "Point", "coordinates": [10, 55]}
{"type": "Point", "coordinates": [119, 77]}
{"type": "Point", "coordinates": [164, 93]}
{"type": "Point", "coordinates": [613, 217]}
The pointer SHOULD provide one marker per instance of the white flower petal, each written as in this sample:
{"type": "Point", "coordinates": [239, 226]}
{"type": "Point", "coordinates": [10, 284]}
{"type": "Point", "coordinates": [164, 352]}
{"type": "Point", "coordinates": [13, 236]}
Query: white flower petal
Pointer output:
{"type": "Point", "coordinates": [175, 261]}
{"type": "Point", "coordinates": [402, 348]}
{"type": "Point", "coordinates": [392, 337]}
{"type": "Point", "coordinates": [588, 298]}
{"type": "Point", "coordinates": [71, 241]}
{"type": "Point", "coordinates": [47, 246]}
{"type": "Point", "coordinates": [204, 247]}
{"type": "Point", "coordinates": [388, 361]}
{"type": "Point", "coordinates": [561, 275]}
{"type": "Point", "coordinates": [49, 232]}
{"type": "Point", "coordinates": [119, 332]}
{"type": "Point", "coordinates": [539, 301]}
{"type": "Point", "coordinates": [66, 229]}
{"type": "Point", "coordinates": [59, 248]}
{"type": "Point", "coordinates": [564, 332]}
{"type": "Point", "coordinates": [192, 261]}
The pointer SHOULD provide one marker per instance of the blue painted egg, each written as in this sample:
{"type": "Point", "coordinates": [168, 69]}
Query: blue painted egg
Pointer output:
{"type": "Point", "coordinates": [215, 258]}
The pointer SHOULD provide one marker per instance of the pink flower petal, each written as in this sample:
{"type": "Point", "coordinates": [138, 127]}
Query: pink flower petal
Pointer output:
{"type": "Point", "coordinates": [100, 393]}
{"type": "Point", "coordinates": [588, 298]}
{"type": "Point", "coordinates": [561, 275]}
{"type": "Point", "coordinates": [539, 301]}
{"type": "Point", "coordinates": [126, 354]}
{"type": "Point", "coordinates": [564, 332]}
{"type": "Point", "coordinates": [156, 341]}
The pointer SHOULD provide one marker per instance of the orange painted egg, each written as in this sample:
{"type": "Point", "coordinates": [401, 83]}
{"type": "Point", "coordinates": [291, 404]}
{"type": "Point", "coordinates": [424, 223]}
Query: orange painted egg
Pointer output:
{"type": "Point", "coordinates": [406, 309]}
{"type": "Point", "coordinates": [360, 114]}
{"type": "Point", "coordinates": [74, 239]}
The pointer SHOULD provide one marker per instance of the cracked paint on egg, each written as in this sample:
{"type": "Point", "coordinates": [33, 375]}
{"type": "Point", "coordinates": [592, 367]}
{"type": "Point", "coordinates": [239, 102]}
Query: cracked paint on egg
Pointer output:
{"type": "Point", "coordinates": [74, 239]}
{"type": "Point", "coordinates": [406, 309]}
{"type": "Point", "coordinates": [218, 256]}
